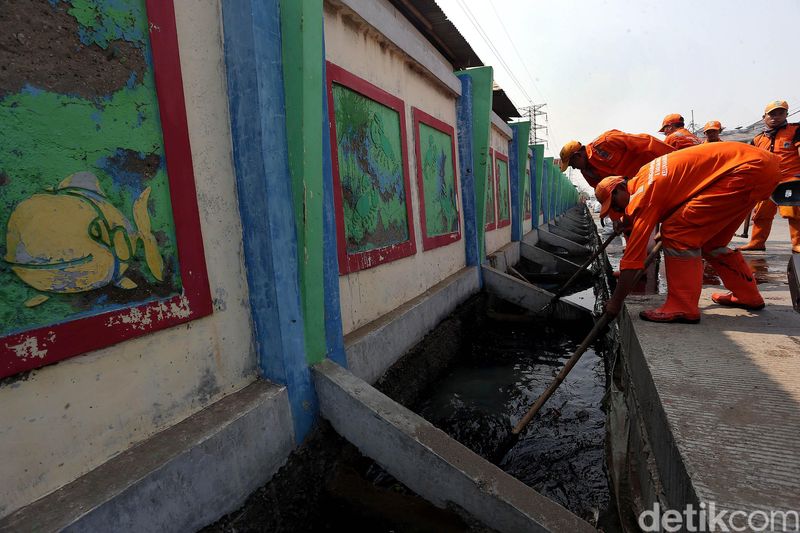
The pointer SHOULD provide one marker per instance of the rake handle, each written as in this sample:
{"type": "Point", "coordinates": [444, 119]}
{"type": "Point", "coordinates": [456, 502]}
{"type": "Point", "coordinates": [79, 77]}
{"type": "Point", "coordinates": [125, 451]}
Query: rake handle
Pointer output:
{"type": "Point", "coordinates": [598, 328]}
{"type": "Point", "coordinates": [583, 267]}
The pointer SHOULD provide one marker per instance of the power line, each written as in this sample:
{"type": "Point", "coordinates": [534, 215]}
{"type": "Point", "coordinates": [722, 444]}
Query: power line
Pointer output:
{"type": "Point", "coordinates": [492, 48]}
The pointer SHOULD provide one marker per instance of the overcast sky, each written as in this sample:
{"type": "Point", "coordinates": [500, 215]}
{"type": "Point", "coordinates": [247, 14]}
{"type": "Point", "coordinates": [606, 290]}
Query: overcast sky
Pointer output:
{"type": "Point", "coordinates": [624, 64]}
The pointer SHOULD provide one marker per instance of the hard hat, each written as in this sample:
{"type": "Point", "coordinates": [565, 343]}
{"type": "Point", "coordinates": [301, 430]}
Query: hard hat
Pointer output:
{"type": "Point", "coordinates": [670, 119]}
{"type": "Point", "coordinates": [776, 104]}
{"type": "Point", "coordinates": [712, 125]}
{"type": "Point", "coordinates": [603, 192]}
{"type": "Point", "coordinates": [567, 151]}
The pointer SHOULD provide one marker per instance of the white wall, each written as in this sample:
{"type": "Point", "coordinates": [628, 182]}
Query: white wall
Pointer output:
{"type": "Point", "coordinates": [497, 238]}
{"type": "Point", "coordinates": [61, 421]}
{"type": "Point", "coordinates": [357, 47]}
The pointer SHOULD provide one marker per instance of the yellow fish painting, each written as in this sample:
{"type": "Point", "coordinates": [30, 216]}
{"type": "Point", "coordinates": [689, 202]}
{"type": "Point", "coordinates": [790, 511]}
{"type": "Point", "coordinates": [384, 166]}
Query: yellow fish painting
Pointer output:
{"type": "Point", "coordinates": [72, 239]}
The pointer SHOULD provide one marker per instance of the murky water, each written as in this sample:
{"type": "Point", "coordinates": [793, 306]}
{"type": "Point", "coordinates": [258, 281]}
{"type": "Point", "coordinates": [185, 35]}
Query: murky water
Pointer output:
{"type": "Point", "coordinates": [561, 452]}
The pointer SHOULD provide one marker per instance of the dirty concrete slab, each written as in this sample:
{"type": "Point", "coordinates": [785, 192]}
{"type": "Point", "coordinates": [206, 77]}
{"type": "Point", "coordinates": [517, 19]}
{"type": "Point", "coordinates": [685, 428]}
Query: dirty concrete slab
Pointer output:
{"type": "Point", "coordinates": [730, 390]}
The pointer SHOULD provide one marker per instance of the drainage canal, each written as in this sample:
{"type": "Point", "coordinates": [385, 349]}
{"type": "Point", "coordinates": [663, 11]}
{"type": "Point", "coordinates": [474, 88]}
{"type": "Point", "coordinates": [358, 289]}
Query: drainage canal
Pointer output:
{"type": "Point", "coordinates": [474, 376]}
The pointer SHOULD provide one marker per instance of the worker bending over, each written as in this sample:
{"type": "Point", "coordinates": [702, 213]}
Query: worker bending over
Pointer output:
{"type": "Point", "coordinates": [782, 139]}
{"type": "Point", "coordinates": [712, 130]}
{"type": "Point", "coordinates": [676, 135]}
{"type": "Point", "coordinates": [699, 195]}
{"type": "Point", "coordinates": [614, 153]}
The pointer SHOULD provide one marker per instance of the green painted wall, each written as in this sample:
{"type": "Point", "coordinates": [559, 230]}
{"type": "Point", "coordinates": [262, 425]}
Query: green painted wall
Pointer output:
{"type": "Point", "coordinates": [522, 131]}
{"type": "Point", "coordinates": [538, 159]}
{"type": "Point", "coordinates": [301, 34]}
{"type": "Point", "coordinates": [481, 124]}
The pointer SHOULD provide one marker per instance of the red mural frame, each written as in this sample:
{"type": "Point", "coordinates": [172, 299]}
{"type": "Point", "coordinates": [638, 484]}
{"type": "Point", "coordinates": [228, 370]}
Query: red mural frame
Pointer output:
{"type": "Point", "coordinates": [363, 260]}
{"type": "Point", "coordinates": [492, 225]}
{"type": "Point", "coordinates": [421, 117]}
{"type": "Point", "coordinates": [45, 345]}
{"type": "Point", "coordinates": [529, 216]}
{"type": "Point", "coordinates": [502, 223]}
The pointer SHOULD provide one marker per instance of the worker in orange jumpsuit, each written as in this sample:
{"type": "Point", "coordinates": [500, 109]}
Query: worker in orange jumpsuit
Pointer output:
{"type": "Point", "coordinates": [699, 195]}
{"type": "Point", "coordinates": [782, 139]}
{"type": "Point", "coordinates": [711, 130]}
{"type": "Point", "coordinates": [614, 153]}
{"type": "Point", "coordinates": [676, 135]}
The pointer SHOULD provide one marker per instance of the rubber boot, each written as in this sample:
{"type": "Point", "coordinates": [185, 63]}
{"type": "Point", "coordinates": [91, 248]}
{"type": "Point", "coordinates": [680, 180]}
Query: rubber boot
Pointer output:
{"type": "Point", "coordinates": [737, 276]}
{"type": "Point", "coordinates": [684, 283]}
{"type": "Point", "coordinates": [794, 231]}
{"type": "Point", "coordinates": [760, 232]}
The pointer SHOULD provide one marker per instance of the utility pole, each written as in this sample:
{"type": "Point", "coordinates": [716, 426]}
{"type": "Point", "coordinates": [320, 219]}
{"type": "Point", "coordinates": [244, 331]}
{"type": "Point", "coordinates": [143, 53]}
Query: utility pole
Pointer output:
{"type": "Point", "coordinates": [532, 112]}
{"type": "Point", "coordinates": [691, 124]}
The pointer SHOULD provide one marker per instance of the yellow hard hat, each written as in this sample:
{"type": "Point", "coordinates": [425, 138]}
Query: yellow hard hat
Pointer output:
{"type": "Point", "coordinates": [567, 151]}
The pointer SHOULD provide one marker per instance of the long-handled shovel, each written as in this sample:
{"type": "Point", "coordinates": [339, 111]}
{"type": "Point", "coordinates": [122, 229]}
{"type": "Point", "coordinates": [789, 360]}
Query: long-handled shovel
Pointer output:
{"type": "Point", "coordinates": [598, 328]}
{"type": "Point", "coordinates": [557, 296]}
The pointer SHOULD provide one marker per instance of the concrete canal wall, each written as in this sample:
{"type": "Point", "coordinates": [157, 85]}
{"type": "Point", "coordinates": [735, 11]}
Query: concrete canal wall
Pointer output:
{"type": "Point", "coordinates": [267, 178]}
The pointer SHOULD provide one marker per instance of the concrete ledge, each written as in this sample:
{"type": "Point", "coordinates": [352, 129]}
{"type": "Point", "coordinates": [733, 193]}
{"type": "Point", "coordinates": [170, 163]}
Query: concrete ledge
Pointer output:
{"type": "Point", "coordinates": [429, 462]}
{"type": "Point", "coordinates": [584, 230]}
{"type": "Point", "coordinates": [181, 479]}
{"type": "Point", "coordinates": [546, 259]}
{"type": "Point", "coordinates": [556, 240]}
{"type": "Point", "coordinates": [529, 296]}
{"type": "Point", "coordinates": [388, 21]}
{"type": "Point", "coordinates": [506, 256]}
{"type": "Point", "coordinates": [567, 234]}
{"type": "Point", "coordinates": [498, 123]}
{"type": "Point", "coordinates": [374, 347]}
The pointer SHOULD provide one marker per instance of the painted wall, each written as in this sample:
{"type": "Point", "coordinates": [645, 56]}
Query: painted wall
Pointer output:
{"type": "Point", "coordinates": [497, 238]}
{"type": "Point", "coordinates": [60, 421]}
{"type": "Point", "coordinates": [527, 224]}
{"type": "Point", "coordinates": [359, 49]}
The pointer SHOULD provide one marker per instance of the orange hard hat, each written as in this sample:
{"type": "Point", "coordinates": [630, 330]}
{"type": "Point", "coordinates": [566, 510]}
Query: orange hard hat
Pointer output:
{"type": "Point", "coordinates": [712, 125]}
{"type": "Point", "coordinates": [776, 104]}
{"type": "Point", "coordinates": [567, 151]}
{"type": "Point", "coordinates": [603, 193]}
{"type": "Point", "coordinates": [670, 119]}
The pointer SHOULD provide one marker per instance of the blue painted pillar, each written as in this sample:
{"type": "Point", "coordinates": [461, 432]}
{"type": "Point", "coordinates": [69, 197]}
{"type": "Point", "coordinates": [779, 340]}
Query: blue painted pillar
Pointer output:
{"type": "Point", "coordinates": [260, 152]}
{"type": "Point", "coordinates": [330, 276]}
{"type": "Point", "coordinates": [468, 195]}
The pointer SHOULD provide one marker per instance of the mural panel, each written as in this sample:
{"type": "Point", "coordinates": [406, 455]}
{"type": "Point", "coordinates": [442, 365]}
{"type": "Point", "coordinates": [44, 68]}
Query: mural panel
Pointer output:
{"type": "Point", "coordinates": [93, 246]}
{"type": "Point", "coordinates": [491, 193]}
{"type": "Point", "coordinates": [503, 195]}
{"type": "Point", "coordinates": [436, 180]}
{"type": "Point", "coordinates": [526, 194]}
{"type": "Point", "coordinates": [370, 166]}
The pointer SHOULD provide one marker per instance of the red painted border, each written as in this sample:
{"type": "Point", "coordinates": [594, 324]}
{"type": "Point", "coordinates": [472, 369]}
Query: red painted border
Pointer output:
{"type": "Point", "coordinates": [363, 260]}
{"type": "Point", "coordinates": [421, 117]}
{"type": "Point", "coordinates": [493, 177]}
{"type": "Point", "coordinates": [46, 345]}
{"type": "Point", "coordinates": [502, 157]}
{"type": "Point", "coordinates": [529, 216]}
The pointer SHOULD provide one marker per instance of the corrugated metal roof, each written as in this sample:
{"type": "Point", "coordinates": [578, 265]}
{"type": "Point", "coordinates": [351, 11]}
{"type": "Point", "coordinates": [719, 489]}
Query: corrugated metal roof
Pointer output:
{"type": "Point", "coordinates": [433, 24]}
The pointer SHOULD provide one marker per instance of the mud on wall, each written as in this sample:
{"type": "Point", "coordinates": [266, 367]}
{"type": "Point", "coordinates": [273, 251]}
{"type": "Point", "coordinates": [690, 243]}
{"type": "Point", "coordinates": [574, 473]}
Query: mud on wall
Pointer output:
{"type": "Point", "coordinates": [85, 65]}
{"type": "Point", "coordinates": [359, 49]}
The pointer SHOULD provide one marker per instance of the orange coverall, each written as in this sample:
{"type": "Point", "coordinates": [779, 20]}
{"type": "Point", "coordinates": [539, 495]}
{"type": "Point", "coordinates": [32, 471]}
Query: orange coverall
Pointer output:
{"type": "Point", "coordinates": [616, 153]}
{"type": "Point", "coordinates": [681, 138]}
{"type": "Point", "coordinates": [785, 144]}
{"type": "Point", "coordinates": [699, 195]}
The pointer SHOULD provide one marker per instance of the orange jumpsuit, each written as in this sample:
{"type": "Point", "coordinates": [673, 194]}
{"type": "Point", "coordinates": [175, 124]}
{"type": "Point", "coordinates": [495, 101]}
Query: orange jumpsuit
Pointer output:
{"type": "Point", "coordinates": [681, 138]}
{"type": "Point", "coordinates": [615, 153]}
{"type": "Point", "coordinates": [699, 195]}
{"type": "Point", "coordinates": [784, 143]}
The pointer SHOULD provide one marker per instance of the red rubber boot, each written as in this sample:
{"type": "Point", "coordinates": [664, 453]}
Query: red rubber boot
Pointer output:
{"type": "Point", "coordinates": [684, 283]}
{"type": "Point", "coordinates": [738, 278]}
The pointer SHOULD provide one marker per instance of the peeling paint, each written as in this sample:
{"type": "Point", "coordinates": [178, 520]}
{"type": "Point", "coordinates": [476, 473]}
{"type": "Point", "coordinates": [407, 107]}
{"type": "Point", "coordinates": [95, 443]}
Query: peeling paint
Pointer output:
{"type": "Point", "coordinates": [28, 348]}
{"type": "Point", "coordinates": [143, 318]}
